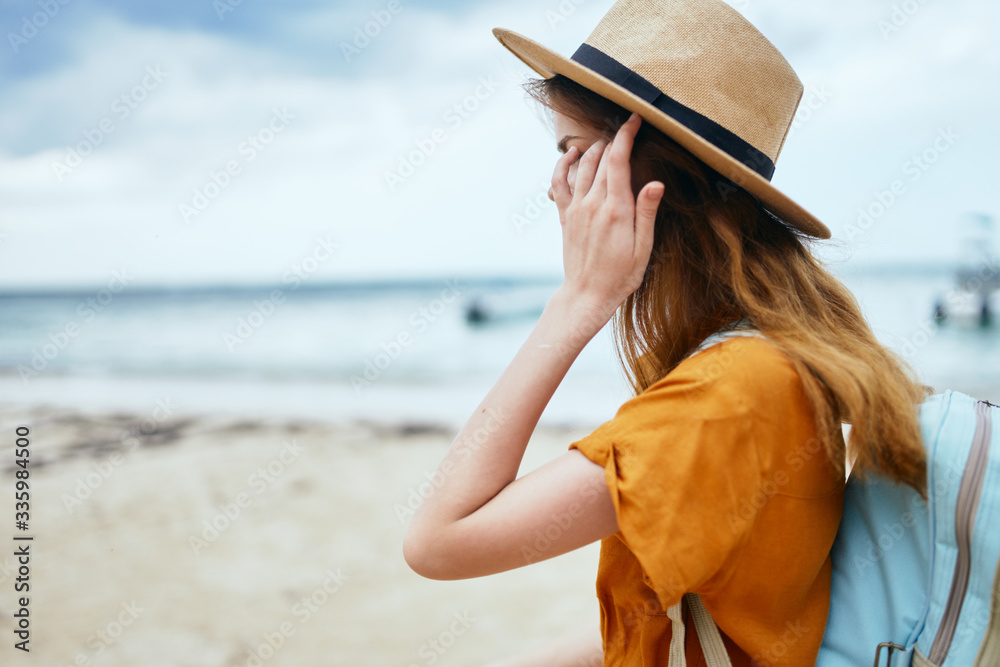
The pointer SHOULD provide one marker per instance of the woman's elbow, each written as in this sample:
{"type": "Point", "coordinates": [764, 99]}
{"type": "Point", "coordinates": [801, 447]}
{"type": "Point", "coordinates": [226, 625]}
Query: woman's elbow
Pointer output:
{"type": "Point", "coordinates": [421, 551]}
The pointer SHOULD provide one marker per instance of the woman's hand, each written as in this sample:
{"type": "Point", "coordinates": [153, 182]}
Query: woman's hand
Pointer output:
{"type": "Point", "coordinates": [607, 233]}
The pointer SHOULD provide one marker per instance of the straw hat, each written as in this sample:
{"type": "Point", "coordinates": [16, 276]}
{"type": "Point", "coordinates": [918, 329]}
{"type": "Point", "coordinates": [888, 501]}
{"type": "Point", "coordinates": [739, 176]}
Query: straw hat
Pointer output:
{"type": "Point", "coordinates": [701, 73]}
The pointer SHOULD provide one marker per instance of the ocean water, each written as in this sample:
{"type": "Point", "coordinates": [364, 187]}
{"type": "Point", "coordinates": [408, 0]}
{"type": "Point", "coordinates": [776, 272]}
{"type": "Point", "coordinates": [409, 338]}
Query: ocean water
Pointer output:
{"type": "Point", "coordinates": [384, 351]}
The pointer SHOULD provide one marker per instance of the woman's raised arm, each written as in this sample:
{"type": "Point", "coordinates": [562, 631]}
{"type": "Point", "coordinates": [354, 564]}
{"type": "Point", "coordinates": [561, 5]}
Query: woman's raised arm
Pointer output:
{"type": "Point", "coordinates": [479, 518]}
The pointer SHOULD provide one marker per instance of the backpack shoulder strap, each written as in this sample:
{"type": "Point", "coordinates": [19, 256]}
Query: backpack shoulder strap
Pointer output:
{"type": "Point", "coordinates": [708, 634]}
{"type": "Point", "coordinates": [732, 330]}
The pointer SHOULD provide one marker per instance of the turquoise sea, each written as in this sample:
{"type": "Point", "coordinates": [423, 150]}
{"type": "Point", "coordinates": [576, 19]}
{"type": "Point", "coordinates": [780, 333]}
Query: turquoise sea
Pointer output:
{"type": "Point", "coordinates": [425, 351]}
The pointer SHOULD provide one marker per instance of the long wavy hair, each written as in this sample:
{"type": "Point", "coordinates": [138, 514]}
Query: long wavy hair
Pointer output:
{"type": "Point", "coordinates": [719, 256]}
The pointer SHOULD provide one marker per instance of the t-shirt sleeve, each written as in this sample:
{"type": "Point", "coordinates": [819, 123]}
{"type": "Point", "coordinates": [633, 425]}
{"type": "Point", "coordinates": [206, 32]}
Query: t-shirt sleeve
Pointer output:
{"type": "Point", "coordinates": [682, 459]}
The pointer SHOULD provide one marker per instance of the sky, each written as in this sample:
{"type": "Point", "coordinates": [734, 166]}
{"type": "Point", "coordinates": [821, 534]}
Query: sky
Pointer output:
{"type": "Point", "coordinates": [227, 142]}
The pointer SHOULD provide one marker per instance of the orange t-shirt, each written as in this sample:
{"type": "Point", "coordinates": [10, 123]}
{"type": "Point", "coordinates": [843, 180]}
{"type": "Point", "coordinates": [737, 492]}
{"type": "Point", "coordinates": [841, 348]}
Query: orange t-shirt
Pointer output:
{"type": "Point", "coordinates": [721, 488]}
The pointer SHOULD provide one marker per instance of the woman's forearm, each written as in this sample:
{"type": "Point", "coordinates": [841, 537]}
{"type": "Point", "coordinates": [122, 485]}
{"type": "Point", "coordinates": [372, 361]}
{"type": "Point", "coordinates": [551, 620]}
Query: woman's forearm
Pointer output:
{"type": "Point", "coordinates": [486, 454]}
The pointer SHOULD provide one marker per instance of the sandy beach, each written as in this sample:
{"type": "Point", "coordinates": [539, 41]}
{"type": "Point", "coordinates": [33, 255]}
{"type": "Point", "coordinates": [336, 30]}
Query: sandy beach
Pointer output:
{"type": "Point", "coordinates": [165, 539]}
{"type": "Point", "coordinates": [236, 536]}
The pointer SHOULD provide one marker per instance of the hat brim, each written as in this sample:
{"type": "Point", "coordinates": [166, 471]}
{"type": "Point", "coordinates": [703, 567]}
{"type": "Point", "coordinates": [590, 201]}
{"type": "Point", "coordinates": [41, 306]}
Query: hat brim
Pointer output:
{"type": "Point", "coordinates": [548, 63]}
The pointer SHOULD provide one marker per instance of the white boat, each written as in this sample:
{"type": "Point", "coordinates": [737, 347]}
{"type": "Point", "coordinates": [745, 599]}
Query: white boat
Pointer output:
{"type": "Point", "coordinates": [975, 299]}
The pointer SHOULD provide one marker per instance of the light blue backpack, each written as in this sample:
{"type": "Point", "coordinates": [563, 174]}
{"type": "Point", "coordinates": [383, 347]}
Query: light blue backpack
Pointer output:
{"type": "Point", "coordinates": [917, 583]}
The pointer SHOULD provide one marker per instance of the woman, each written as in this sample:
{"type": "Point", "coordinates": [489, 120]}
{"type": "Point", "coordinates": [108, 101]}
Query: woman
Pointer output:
{"type": "Point", "coordinates": [724, 475]}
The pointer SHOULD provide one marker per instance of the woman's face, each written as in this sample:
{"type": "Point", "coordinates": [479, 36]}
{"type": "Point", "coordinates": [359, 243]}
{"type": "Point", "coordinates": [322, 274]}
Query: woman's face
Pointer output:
{"type": "Point", "coordinates": [571, 133]}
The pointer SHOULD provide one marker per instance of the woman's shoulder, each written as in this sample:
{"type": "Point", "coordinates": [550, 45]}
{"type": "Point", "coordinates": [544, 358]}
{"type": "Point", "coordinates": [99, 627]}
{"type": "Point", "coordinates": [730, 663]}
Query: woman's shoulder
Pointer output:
{"type": "Point", "coordinates": [741, 372]}
{"type": "Point", "coordinates": [738, 405]}
{"type": "Point", "coordinates": [753, 380]}
{"type": "Point", "coordinates": [744, 350]}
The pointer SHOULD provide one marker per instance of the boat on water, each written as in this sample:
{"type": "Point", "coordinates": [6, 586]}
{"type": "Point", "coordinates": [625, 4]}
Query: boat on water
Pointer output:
{"type": "Point", "coordinates": [975, 298]}
{"type": "Point", "coordinates": [506, 305]}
